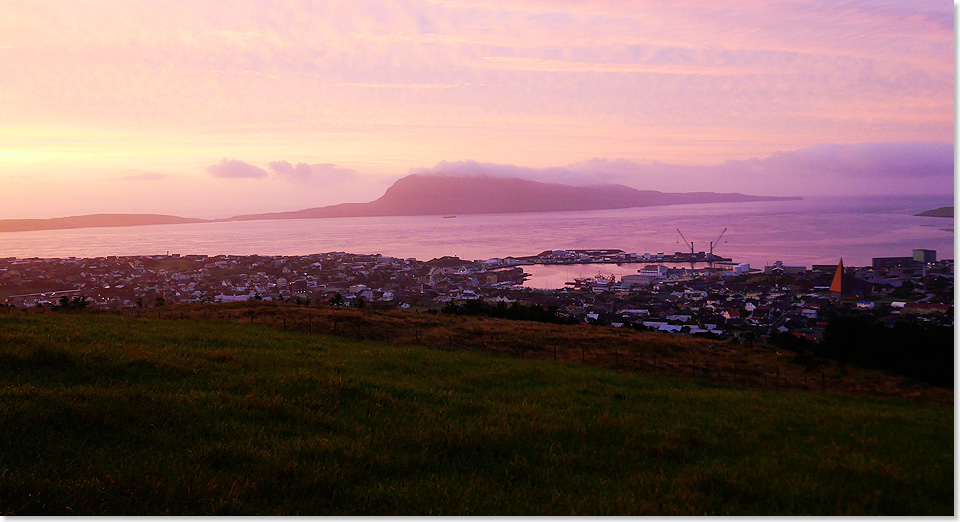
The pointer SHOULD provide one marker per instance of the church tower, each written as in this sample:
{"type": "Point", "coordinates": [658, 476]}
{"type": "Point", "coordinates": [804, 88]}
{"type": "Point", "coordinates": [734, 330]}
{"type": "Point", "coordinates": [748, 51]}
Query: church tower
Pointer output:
{"type": "Point", "coordinates": [837, 284]}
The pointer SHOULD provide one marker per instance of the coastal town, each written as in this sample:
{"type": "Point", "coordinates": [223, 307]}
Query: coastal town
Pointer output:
{"type": "Point", "coordinates": [722, 300]}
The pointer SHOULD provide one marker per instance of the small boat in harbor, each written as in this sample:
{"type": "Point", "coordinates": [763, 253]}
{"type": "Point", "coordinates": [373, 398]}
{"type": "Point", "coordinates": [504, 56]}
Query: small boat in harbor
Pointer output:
{"type": "Point", "coordinates": [448, 217]}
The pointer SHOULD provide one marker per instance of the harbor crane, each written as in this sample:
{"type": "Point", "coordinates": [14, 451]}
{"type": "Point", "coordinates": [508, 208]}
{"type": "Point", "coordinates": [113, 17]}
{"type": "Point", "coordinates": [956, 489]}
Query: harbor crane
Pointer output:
{"type": "Point", "coordinates": [715, 241]}
{"type": "Point", "coordinates": [688, 243]}
{"type": "Point", "coordinates": [709, 257]}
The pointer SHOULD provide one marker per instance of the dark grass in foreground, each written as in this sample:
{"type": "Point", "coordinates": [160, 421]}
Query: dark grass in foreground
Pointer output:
{"type": "Point", "coordinates": [104, 415]}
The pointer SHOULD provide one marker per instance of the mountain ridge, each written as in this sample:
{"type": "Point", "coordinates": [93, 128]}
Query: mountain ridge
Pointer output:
{"type": "Point", "coordinates": [432, 194]}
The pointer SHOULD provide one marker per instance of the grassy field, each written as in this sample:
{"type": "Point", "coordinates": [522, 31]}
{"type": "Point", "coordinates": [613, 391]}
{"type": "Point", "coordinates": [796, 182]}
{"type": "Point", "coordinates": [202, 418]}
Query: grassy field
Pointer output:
{"type": "Point", "coordinates": [109, 415]}
{"type": "Point", "coordinates": [663, 354]}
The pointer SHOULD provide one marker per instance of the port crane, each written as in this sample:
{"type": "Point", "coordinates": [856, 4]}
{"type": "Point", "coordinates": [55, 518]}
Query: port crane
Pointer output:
{"type": "Point", "coordinates": [715, 241]}
{"type": "Point", "coordinates": [688, 243]}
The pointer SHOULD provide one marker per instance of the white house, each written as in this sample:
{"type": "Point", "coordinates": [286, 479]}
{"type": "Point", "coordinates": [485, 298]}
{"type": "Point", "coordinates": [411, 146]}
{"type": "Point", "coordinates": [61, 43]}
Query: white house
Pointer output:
{"type": "Point", "coordinates": [653, 271]}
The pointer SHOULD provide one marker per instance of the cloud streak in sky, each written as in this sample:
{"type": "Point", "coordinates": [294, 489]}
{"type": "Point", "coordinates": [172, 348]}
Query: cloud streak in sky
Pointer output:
{"type": "Point", "coordinates": [143, 176]}
{"type": "Point", "coordinates": [572, 66]}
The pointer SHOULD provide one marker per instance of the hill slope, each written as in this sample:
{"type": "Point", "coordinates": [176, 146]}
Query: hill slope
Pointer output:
{"type": "Point", "coordinates": [937, 212]}
{"type": "Point", "coordinates": [421, 194]}
{"type": "Point", "coordinates": [124, 416]}
{"type": "Point", "coordinates": [92, 220]}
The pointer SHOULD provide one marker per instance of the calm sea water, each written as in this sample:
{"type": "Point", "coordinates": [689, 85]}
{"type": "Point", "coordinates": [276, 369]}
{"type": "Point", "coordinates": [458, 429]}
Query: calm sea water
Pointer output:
{"type": "Point", "coordinates": [814, 230]}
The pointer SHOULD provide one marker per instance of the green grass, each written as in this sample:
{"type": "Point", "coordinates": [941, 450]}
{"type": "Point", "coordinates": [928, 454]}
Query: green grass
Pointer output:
{"type": "Point", "coordinates": [105, 415]}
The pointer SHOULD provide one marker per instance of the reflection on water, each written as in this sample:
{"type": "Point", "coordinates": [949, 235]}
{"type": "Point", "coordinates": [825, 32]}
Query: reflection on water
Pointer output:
{"type": "Point", "coordinates": [557, 276]}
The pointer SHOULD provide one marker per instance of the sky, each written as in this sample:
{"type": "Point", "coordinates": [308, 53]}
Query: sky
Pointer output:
{"type": "Point", "coordinates": [207, 108]}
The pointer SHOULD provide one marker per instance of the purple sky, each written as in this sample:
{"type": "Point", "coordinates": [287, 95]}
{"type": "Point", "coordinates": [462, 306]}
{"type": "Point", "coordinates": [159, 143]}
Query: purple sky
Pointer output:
{"type": "Point", "coordinates": [204, 108]}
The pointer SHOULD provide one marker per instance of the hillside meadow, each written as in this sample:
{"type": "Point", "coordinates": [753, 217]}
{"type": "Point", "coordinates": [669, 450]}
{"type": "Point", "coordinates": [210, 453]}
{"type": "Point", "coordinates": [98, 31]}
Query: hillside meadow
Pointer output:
{"type": "Point", "coordinates": [748, 364]}
{"type": "Point", "coordinates": [107, 415]}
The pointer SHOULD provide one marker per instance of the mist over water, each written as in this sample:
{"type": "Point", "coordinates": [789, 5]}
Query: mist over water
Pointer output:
{"type": "Point", "coordinates": [813, 230]}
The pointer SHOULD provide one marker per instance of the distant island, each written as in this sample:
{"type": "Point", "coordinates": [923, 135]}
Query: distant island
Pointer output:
{"type": "Point", "coordinates": [93, 220]}
{"type": "Point", "coordinates": [424, 195]}
{"type": "Point", "coordinates": [946, 212]}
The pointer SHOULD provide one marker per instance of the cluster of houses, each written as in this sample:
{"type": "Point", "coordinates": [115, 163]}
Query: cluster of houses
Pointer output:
{"type": "Point", "coordinates": [731, 302]}
{"type": "Point", "coordinates": [738, 302]}
{"type": "Point", "coordinates": [135, 281]}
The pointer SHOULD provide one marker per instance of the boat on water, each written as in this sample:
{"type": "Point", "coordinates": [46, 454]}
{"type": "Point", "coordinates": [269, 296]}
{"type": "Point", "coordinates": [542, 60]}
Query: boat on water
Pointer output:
{"type": "Point", "coordinates": [450, 216]}
{"type": "Point", "coordinates": [598, 281]}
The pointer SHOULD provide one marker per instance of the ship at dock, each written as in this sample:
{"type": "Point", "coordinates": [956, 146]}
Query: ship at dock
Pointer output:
{"type": "Point", "coordinates": [597, 283]}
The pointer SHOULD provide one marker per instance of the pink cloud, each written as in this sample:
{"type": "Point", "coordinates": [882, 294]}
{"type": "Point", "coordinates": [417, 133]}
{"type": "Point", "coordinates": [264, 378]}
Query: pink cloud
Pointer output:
{"type": "Point", "coordinates": [327, 173]}
{"type": "Point", "coordinates": [235, 169]}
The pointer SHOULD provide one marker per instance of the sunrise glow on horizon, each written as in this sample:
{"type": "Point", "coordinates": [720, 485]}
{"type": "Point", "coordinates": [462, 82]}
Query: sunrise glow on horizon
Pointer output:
{"type": "Point", "coordinates": [205, 109]}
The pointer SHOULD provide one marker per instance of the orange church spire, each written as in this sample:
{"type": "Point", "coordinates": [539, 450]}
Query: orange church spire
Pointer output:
{"type": "Point", "coordinates": [837, 284]}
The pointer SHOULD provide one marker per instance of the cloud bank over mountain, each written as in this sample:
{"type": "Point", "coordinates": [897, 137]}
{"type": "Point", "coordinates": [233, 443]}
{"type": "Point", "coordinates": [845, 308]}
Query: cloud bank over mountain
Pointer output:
{"type": "Point", "coordinates": [869, 168]}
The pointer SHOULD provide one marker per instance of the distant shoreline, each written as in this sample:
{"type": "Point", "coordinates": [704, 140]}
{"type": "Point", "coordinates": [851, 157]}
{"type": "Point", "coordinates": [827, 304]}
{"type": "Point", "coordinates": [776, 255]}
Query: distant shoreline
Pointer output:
{"type": "Point", "coordinates": [139, 220]}
{"type": "Point", "coordinates": [943, 212]}
{"type": "Point", "coordinates": [94, 221]}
